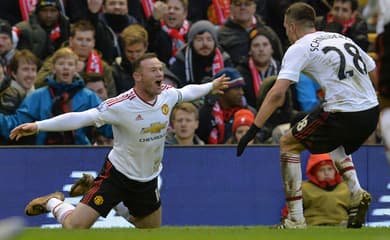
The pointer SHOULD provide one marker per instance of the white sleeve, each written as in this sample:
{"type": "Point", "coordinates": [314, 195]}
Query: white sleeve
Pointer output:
{"type": "Point", "coordinates": [194, 91]}
{"type": "Point", "coordinates": [68, 121]}
{"type": "Point", "coordinates": [294, 60]}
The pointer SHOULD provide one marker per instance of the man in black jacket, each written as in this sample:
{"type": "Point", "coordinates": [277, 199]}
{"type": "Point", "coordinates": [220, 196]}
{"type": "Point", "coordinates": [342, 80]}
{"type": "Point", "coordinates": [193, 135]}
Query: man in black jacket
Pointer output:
{"type": "Point", "coordinates": [234, 36]}
{"type": "Point", "coordinates": [344, 18]}
{"type": "Point", "coordinates": [45, 30]}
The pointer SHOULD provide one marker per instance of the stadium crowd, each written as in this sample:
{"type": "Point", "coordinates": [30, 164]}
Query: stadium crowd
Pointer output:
{"type": "Point", "coordinates": [197, 41]}
{"type": "Point", "coordinates": [194, 39]}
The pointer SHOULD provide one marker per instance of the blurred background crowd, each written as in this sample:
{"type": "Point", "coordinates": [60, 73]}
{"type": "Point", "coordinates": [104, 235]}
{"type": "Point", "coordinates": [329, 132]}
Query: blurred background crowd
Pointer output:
{"type": "Point", "coordinates": [197, 40]}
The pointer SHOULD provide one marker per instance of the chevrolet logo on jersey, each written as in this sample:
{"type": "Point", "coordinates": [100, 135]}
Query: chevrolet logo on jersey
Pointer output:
{"type": "Point", "coordinates": [154, 128]}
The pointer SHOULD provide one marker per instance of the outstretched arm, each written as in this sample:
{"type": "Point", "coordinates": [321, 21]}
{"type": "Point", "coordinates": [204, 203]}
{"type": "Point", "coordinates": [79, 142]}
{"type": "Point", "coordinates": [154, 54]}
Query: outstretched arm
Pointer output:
{"type": "Point", "coordinates": [63, 122]}
{"type": "Point", "coordinates": [194, 91]}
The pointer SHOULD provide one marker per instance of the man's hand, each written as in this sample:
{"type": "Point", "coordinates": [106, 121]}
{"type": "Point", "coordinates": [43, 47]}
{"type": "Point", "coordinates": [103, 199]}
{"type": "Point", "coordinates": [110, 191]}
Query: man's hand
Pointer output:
{"type": "Point", "coordinates": [219, 84]}
{"type": "Point", "coordinates": [23, 130]}
{"type": "Point", "coordinates": [94, 5]}
{"type": "Point", "coordinates": [249, 135]}
{"type": "Point", "coordinates": [159, 10]}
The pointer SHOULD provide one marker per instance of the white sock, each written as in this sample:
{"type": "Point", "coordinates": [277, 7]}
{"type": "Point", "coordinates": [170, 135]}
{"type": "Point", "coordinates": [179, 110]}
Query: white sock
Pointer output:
{"type": "Point", "coordinates": [59, 209]}
{"type": "Point", "coordinates": [346, 168]}
{"type": "Point", "coordinates": [292, 183]}
{"type": "Point", "coordinates": [123, 211]}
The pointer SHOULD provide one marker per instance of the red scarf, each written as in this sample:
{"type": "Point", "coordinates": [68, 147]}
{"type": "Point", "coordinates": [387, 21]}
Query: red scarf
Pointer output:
{"type": "Point", "coordinates": [221, 117]}
{"type": "Point", "coordinates": [55, 33]}
{"type": "Point", "coordinates": [216, 66]}
{"type": "Point", "coordinates": [147, 6]}
{"type": "Point", "coordinates": [177, 36]}
{"type": "Point", "coordinates": [61, 104]}
{"type": "Point", "coordinates": [219, 11]}
{"type": "Point", "coordinates": [346, 24]}
{"type": "Point", "coordinates": [256, 78]}
{"type": "Point", "coordinates": [217, 62]}
{"type": "Point", "coordinates": [94, 63]}
{"type": "Point", "coordinates": [26, 8]}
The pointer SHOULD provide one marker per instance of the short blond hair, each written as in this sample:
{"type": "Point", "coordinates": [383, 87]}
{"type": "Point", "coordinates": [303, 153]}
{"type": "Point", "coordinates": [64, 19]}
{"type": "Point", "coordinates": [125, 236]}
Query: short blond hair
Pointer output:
{"type": "Point", "coordinates": [186, 107]}
{"type": "Point", "coordinates": [133, 34]}
{"type": "Point", "coordinates": [64, 52]}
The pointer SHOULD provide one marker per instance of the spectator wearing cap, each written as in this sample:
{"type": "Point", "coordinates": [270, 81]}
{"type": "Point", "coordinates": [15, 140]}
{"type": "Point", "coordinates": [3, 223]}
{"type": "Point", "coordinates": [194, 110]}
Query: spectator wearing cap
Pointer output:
{"type": "Point", "coordinates": [216, 115]}
{"type": "Point", "coordinates": [234, 35]}
{"type": "Point", "coordinates": [45, 30]}
{"type": "Point", "coordinates": [258, 65]}
{"type": "Point", "coordinates": [201, 58]}
{"type": "Point", "coordinates": [7, 49]}
{"type": "Point", "coordinates": [326, 198]}
{"type": "Point", "coordinates": [242, 121]}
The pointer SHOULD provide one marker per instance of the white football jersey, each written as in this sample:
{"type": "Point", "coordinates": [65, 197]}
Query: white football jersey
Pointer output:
{"type": "Point", "coordinates": [338, 65]}
{"type": "Point", "coordinates": [139, 130]}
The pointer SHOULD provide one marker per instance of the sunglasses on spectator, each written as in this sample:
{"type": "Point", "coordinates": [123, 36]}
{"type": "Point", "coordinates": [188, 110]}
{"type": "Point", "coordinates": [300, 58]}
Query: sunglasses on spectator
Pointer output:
{"type": "Point", "coordinates": [239, 3]}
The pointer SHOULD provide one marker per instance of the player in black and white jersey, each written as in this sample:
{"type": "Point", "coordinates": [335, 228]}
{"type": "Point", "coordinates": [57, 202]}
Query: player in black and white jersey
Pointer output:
{"type": "Point", "coordinates": [339, 126]}
{"type": "Point", "coordinates": [139, 118]}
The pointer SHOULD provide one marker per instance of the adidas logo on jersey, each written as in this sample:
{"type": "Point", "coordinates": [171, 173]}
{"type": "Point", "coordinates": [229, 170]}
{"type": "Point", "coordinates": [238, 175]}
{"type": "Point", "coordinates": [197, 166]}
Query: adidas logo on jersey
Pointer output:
{"type": "Point", "coordinates": [139, 118]}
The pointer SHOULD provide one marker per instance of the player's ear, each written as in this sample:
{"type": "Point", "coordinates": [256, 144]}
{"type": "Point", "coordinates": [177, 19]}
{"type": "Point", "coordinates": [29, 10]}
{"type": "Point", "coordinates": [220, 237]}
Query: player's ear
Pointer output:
{"type": "Point", "coordinates": [136, 76]}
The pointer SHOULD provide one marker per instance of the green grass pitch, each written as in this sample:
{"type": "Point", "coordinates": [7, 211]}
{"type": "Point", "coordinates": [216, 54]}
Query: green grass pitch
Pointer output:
{"type": "Point", "coordinates": [214, 233]}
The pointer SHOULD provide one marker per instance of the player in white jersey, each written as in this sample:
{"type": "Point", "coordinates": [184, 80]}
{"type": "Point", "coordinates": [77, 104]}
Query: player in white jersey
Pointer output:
{"type": "Point", "coordinates": [139, 118]}
{"type": "Point", "coordinates": [339, 126]}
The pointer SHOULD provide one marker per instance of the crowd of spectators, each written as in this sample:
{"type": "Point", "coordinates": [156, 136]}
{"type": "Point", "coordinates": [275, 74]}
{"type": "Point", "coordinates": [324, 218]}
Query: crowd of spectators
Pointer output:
{"type": "Point", "coordinates": [197, 40]}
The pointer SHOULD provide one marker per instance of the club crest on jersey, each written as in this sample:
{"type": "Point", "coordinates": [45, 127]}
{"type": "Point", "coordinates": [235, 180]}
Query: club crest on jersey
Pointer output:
{"type": "Point", "coordinates": [165, 109]}
{"type": "Point", "coordinates": [154, 128]}
{"type": "Point", "coordinates": [98, 200]}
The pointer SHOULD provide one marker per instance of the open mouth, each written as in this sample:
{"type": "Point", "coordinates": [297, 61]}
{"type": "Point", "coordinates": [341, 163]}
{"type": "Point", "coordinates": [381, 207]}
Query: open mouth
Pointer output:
{"type": "Point", "coordinates": [159, 82]}
{"type": "Point", "coordinates": [171, 19]}
{"type": "Point", "coordinates": [29, 81]}
{"type": "Point", "coordinates": [65, 75]}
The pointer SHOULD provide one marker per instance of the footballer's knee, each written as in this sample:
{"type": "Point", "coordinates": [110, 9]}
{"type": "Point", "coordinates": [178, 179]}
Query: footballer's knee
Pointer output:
{"type": "Point", "coordinates": [288, 144]}
{"type": "Point", "coordinates": [152, 220]}
{"type": "Point", "coordinates": [74, 225]}
{"type": "Point", "coordinates": [71, 223]}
